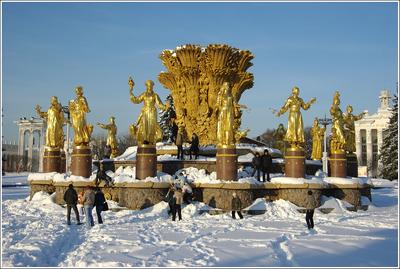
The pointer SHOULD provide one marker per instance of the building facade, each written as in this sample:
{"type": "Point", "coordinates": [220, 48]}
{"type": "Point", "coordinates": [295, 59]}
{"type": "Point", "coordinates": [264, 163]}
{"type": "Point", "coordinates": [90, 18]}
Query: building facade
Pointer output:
{"type": "Point", "coordinates": [369, 136]}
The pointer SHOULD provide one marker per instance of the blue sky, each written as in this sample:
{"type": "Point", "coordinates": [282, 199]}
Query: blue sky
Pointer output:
{"type": "Point", "coordinates": [49, 48]}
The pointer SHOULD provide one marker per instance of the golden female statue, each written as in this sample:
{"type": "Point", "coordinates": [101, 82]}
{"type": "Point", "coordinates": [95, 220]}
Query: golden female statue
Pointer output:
{"type": "Point", "coordinates": [295, 134]}
{"type": "Point", "coordinates": [349, 128]}
{"type": "Point", "coordinates": [337, 125]}
{"type": "Point", "coordinates": [54, 118]}
{"type": "Point", "coordinates": [147, 128]}
{"type": "Point", "coordinates": [111, 136]}
{"type": "Point", "coordinates": [78, 109]}
{"type": "Point", "coordinates": [317, 134]}
{"type": "Point", "coordinates": [225, 109]}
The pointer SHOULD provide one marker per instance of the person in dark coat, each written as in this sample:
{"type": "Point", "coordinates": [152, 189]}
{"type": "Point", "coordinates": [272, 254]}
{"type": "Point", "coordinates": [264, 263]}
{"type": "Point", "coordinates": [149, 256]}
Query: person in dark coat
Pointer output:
{"type": "Point", "coordinates": [99, 201]}
{"type": "Point", "coordinates": [266, 165]}
{"type": "Point", "coordinates": [101, 175]}
{"type": "Point", "coordinates": [194, 146]}
{"type": "Point", "coordinates": [256, 162]}
{"type": "Point", "coordinates": [169, 198]}
{"type": "Point", "coordinates": [107, 152]}
{"type": "Point", "coordinates": [71, 199]}
{"type": "Point", "coordinates": [179, 143]}
{"type": "Point", "coordinates": [236, 206]}
{"type": "Point", "coordinates": [178, 200]}
{"type": "Point", "coordinates": [310, 211]}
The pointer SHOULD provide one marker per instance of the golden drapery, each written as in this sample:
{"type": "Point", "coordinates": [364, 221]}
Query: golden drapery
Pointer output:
{"type": "Point", "coordinates": [54, 118]}
{"type": "Point", "coordinates": [111, 136]}
{"type": "Point", "coordinates": [349, 129]}
{"type": "Point", "coordinates": [338, 139]}
{"type": "Point", "coordinates": [295, 131]}
{"type": "Point", "coordinates": [225, 130]}
{"type": "Point", "coordinates": [317, 134]}
{"type": "Point", "coordinates": [78, 109]}
{"type": "Point", "coordinates": [147, 127]}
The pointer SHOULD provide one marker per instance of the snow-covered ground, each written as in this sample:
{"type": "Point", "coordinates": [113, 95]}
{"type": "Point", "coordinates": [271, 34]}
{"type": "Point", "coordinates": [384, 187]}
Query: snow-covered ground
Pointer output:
{"type": "Point", "coordinates": [35, 234]}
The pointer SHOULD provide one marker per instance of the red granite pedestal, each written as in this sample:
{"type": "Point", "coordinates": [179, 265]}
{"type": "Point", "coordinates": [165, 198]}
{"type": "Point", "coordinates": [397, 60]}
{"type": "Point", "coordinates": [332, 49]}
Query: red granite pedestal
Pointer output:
{"type": "Point", "coordinates": [51, 160]}
{"type": "Point", "coordinates": [227, 164]}
{"type": "Point", "coordinates": [352, 165]}
{"type": "Point", "coordinates": [81, 161]}
{"type": "Point", "coordinates": [63, 163]}
{"type": "Point", "coordinates": [337, 164]}
{"type": "Point", "coordinates": [146, 161]}
{"type": "Point", "coordinates": [295, 162]}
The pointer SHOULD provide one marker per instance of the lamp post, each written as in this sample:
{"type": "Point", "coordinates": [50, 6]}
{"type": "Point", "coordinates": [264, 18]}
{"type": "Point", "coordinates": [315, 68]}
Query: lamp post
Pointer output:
{"type": "Point", "coordinates": [325, 122]}
{"type": "Point", "coordinates": [65, 109]}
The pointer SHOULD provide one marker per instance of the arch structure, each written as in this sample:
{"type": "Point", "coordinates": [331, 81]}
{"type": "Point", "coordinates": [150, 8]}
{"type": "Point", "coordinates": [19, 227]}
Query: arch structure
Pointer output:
{"type": "Point", "coordinates": [32, 127]}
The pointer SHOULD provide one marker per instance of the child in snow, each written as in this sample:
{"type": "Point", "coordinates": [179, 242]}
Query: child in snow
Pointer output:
{"type": "Point", "coordinates": [178, 199]}
{"type": "Point", "coordinates": [80, 203]}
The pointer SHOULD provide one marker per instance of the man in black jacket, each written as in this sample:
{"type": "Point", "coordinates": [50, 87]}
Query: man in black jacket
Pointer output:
{"type": "Point", "coordinates": [266, 165]}
{"type": "Point", "coordinates": [256, 162]}
{"type": "Point", "coordinates": [99, 201]}
{"type": "Point", "coordinates": [71, 198]}
{"type": "Point", "coordinates": [194, 147]}
{"type": "Point", "coordinates": [236, 206]}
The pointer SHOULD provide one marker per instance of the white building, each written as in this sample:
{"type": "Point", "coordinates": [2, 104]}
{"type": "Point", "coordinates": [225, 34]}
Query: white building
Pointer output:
{"type": "Point", "coordinates": [369, 136]}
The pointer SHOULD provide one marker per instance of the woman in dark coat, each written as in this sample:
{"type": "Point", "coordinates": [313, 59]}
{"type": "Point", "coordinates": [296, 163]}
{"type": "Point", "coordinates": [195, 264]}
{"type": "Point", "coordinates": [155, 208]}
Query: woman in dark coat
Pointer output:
{"type": "Point", "coordinates": [99, 201]}
{"type": "Point", "coordinates": [257, 165]}
{"type": "Point", "coordinates": [194, 147]}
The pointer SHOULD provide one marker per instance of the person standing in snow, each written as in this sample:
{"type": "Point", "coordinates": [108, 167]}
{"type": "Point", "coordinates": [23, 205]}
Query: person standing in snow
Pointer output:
{"type": "Point", "coordinates": [71, 198]}
{"type": "Point", "coordinates": [266, 165]}
{"type": "Point", "coordinates": [179, 143]}
{"type": "Point", "coordinates": [194, 146]}
{"type": "Point", "coordinates": [169, 198]}
{"type": "Point", "coordinates": [80, 203]}
{"type": "Point", "coordinates": [178, 197]}
{"type": "Point", "coordinates": [256, 162]}
{"type": "Point", "coordinates": [99, 201]}
{"type": "Point", "coordinates": [236, 206]}
{"type": "Point", "coordinates": [88, 203]}
{"type": "Point", "coordinates": [310, 210]}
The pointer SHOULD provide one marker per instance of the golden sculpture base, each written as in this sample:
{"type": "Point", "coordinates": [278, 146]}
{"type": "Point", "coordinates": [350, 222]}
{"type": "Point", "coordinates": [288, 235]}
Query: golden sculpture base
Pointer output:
{"type": "Point", "coordinates": [295, 163]}
{"type": "Point", "coordinates": [81, 162]}
{"type": "Point", "coordinates": [146, 161]}
{"type": "Point", "coordinates": [51, 160]}
{"type": "Point", "coordinates": [337, 164]}
{"type": "Point", "coordinates": [226, 163]}
{"type": "Point", "coordinates": [63, 164]}
{"type": "Point", "coordinates": [352, 165]}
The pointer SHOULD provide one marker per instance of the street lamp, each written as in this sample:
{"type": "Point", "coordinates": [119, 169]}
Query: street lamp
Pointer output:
{"type": "Point", "coordinates": [65, 109]}
{"type": "Point", "coordinates": [325, 122]}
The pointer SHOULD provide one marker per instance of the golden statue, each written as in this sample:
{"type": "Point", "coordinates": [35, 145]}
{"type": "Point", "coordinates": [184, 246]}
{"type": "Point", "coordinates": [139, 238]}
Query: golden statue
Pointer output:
{"type": "Point", "coordinates": [111, 136]}
{"type": "Point", "coordinates": [349, 129]}
{"type": "Point", "coordinates": [225, 110]}
{"type": "Point", "coordinates": [317, 134]}
{"type": "Point", "coordinates": [78, 109]}
{"type": "Point", "coordinates": [195, 76]}
{"type": "Point", "coordinates": [295, 133]}
{"type": "Point", "coordinates": [279, 136]}
{"type": "Point", "coordinates": [54, 118]}
{"type": "Point", "coordinates": [146, 127]}
{"type": "Point", "coordinates": [337, 126]}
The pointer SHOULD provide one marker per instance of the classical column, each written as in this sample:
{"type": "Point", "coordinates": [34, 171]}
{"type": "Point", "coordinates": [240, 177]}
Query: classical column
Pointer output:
{"type": "Point", "coordinates": [30, 150]}
{"type": "Point", "coordinates": [369, 150]}
{"type": "Point", "coordinates": [358, 146]}
{"type": "Point", "coordinates": [21, 142]}
{"type": "Point", "coordinates": [380, 141]}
